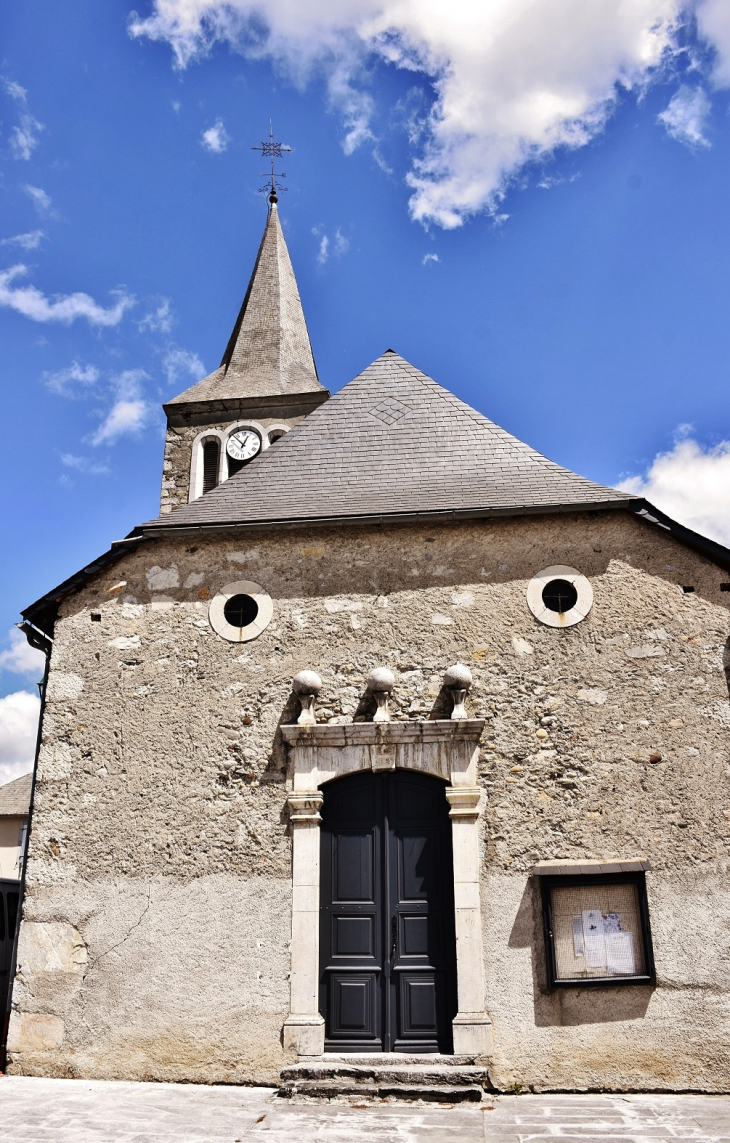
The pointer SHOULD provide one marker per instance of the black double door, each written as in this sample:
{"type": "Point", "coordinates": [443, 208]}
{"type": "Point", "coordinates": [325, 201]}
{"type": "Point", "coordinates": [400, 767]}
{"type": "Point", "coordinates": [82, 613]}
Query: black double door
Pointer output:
{"type": "Point", "coordinates": [387, 941]}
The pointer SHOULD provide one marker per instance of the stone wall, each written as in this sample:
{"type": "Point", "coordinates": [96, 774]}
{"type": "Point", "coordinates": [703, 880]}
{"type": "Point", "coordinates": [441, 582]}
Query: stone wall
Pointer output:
{"type": "Point", "coordinates": [156, 935]}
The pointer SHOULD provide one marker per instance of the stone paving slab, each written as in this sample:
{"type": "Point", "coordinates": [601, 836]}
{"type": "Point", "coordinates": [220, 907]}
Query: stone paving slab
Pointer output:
{"type": "Point", "coordinates": [96, 1111]}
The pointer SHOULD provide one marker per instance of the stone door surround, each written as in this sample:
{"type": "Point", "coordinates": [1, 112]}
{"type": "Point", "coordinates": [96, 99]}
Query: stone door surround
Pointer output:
{"type": "Point", "coordinates": [320, 753]}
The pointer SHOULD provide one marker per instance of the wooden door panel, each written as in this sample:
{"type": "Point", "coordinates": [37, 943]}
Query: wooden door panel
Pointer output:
{"type": "Point", "coordinates": [353, 936]}
{"type": "Point", "coordinates": [353, 1005]}
{"type": "Point", "coordinates": [353, 866]}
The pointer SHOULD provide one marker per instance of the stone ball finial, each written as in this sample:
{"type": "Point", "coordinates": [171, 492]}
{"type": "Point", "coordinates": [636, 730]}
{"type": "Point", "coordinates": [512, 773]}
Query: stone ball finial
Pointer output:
{"type": "Point", "coordinates": [381, 681]}
{"type": "Point", "coordinates": [458, 678]}
{"type": "Point", "coordinates": [307, 683]}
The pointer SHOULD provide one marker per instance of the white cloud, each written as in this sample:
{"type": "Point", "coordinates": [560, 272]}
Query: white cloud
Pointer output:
{"type": "Point", "coordinates": [66, 382]}
{"type": "Point", "coordinates": [29, 241]}
{"type": "Point", "coordinates": [24, 137]}
{"type": "Point", "coordinates": [179, 363]}
{"type": "Point", "coordinates": [713, 22]}
{"type": "Point", "coordinates": [216, 138]}
{"type": "Point", "coordinates": [65, 308]}
{"type": "Point", "coordinates": [41, 201]}
{"type": "Point", "coordinates": [160, 320]}
{"type": "Point", "coordinates": [18, 730]}
{"type": "Point", "coordinates": [686, 115]}
{"type": "Point", "coordinates": [513, 80]}
{"type": "Point", "coordinates": [84, 465]}
{"type": "Point", "coordinates": [689, 483]}
{"type": "Point", "coordinates": [429, 258]}
{"type": "Point", "coordinates": [20, 657]}
{"type": "Point", "coordinates": [130, 412]}
{"type": "Point", "coordinates": [330, 248]}
{"type": "Point", "coordinates": [14, 90]}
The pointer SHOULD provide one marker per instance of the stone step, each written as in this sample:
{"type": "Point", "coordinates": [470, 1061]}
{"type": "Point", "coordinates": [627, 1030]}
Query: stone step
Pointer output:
{"type": "Point", "coordinates": [436, 1078]}
{"type": "Point", "coordinates": [390, 1073]}
{"type": "Point", "coordinates": [337, 1089]}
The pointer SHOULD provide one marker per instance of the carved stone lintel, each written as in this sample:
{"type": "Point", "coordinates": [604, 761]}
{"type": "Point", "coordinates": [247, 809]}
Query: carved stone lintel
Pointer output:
{"type": "Point", "coordinates": [465, 801]}
{"type": "Point", "coordinates": [304, 808]}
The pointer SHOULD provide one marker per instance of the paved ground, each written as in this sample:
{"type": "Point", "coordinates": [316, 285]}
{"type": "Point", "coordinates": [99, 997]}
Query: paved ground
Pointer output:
{"type": "Point", "coordinates": [81, 1111]}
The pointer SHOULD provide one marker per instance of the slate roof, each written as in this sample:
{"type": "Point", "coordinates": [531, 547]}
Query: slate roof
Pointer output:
{"type": "Point", "coordinates": [269, 351]}
{"type": "Point", "coordinates": [391, 442]}
{"type": "Point", "coordinates": [15, 797]}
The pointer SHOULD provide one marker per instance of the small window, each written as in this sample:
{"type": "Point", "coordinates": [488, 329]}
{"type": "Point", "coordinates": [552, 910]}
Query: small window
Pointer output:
{"type": "Point", "coordinates": [276, 435]}
{"type": "Point", "coordinates": [211, 455]}
{"type": "Point", "coordinates": [240, 610]}
{"type": "Point", "coordinates": [725, 587]}
{"type": "Point", "coordinates": [687, 589]}
{"type": "Point", "coordinates": [597, 930]}
{"type": "Point", "coordinates": [559, 595]}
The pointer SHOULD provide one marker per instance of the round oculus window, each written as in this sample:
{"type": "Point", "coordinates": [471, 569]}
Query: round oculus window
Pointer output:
{"type": "Point", "coordinates": [559, 596]}
{"type": "Point", "coordinates": [241, 611]}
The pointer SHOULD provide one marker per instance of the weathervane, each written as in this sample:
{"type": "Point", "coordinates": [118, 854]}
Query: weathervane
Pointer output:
{"type": "Point", "coordinates": [272, 151]}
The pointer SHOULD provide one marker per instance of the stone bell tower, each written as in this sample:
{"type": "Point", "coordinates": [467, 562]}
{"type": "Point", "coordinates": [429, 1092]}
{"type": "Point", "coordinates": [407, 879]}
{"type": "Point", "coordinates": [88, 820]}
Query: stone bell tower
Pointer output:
{"type": "Point", "coordinates": [266, 383]}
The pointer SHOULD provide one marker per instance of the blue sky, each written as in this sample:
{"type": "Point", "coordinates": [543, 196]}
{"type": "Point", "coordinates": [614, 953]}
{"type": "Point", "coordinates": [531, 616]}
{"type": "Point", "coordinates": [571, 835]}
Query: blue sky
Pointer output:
{"type": "Point", "coordinates": [530, 202]}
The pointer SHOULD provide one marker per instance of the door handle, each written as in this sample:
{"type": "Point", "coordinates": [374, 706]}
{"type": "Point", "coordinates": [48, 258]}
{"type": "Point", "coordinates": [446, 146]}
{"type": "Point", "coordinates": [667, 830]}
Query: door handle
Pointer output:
{"type": "Point", "coordinates": [393, 936]}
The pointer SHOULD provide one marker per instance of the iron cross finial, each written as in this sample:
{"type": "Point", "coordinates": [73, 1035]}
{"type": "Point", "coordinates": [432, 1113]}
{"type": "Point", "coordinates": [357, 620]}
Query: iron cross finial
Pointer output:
{"type": "Point", "coordinates": [271, 150]}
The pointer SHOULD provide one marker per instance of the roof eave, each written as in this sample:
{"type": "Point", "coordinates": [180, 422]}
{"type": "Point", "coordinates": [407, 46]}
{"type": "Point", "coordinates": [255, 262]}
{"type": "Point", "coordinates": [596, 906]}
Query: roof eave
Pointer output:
{"type": "Point", "coordinates": [437, 515]}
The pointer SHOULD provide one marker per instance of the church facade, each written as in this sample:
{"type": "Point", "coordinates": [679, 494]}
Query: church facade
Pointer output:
{"type": "Point", "coordinates": [387, 736]}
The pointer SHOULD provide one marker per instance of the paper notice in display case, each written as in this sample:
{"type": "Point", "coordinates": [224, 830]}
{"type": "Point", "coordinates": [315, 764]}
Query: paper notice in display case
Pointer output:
{"type": "Point", "coordinates": [594, 940]}
{"type": "Point", "coordinates": [620, 954]}
{"type": "Point", "coordinates": [605, 942]}
{"type": "Point", "coordinates": [578, 935]}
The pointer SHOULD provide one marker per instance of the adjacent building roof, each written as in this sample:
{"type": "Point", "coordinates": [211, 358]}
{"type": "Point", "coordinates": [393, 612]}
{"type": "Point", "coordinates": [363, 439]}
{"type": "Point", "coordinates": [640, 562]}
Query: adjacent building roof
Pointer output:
{"type": "Point", "coordinates": [269, 352]}
{"type": "Point", "coordinates": [393, 442]}
{"type": "Point", "coordinates": [15, 797]}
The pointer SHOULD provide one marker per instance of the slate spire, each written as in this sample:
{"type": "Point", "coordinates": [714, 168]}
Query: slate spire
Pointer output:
{"type": "Point", "coordinates": [269, 352]}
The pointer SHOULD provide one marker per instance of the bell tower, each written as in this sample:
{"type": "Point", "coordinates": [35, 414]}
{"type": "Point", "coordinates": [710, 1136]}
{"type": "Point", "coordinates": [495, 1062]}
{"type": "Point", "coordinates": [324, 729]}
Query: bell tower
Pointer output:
{"type": "Point", "coordinates": [266, 382]}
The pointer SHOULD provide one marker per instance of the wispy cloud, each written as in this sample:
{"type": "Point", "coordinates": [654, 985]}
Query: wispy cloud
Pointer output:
{"type": "Point", "coordinates": [18, 729]}
{"type": "Point", "coordinates": [41, 201]}
{"type": "Point", "coordinates": [130, 412]}
{"type": "Point", "coordinates": [84, 465]}
{"type": "Point", "coordinates": [330, 248]}
{"type": "Point", "coordinates": [20, 657]}
{"type": "Point", "coordinates": [64, 308]}
{"type": "Point", "coordinates": [29, 241]}
{"type": "Point", "coordinates": [160, 320]}
{"type": "Point", "coordinates": [14, 90]}
{"type": "Point", "coordinates": [686, 115]}
{"type": "Point", "coordinates": [73, 381]}
{"type": "Point", "coordinates": [429, 258]}
{"type": "Point", "coordinates": [511, 83]}
{"type": "Point", "coordinates": [178, 363]}
{"type": "Point", "coordinates": [216, 138]}
{"type": "Point", "coordinates": [690, 483]}
{"type": "Point", "coordinates": [24, 135]}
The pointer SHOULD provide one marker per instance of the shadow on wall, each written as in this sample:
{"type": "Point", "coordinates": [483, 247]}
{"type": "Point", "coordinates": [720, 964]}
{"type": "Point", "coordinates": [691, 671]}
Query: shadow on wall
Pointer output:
{"type": "Point", "coordinates": [562, 1007]}
{"type": "Point", "coordinates": [726, 664]}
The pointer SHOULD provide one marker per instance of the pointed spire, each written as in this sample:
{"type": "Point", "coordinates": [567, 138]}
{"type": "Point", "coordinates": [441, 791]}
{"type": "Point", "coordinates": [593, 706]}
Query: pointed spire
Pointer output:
{"type": "Point", "coordinates": [269, 352]}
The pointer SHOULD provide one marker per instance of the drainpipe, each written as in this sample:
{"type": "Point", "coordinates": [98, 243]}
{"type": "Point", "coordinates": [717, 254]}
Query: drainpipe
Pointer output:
{"type": "Point", "coordinates": [41, 642]}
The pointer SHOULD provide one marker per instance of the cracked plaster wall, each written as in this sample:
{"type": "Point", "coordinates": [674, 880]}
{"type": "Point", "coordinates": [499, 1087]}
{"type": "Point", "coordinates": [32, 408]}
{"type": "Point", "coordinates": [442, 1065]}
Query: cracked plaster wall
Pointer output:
{"type": "Point", "coordinates": [160, 854]}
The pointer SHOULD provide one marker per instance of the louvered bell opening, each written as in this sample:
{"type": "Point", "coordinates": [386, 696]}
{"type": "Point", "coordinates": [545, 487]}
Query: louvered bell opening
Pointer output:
{"type": "Point", "coordinates": [211, 452]}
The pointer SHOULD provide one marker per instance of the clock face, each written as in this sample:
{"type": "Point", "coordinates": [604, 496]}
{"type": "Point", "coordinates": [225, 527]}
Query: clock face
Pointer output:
{"type": "Point", "coordinates": [243, 445]}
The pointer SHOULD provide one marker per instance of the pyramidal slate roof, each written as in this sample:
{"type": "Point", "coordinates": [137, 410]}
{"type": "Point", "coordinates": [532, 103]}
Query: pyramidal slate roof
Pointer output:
{"type": "Point", "coordinates": [269, 351]}
{"type": "Point", "coordinates": [392, 442]}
